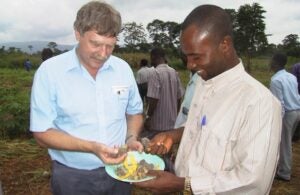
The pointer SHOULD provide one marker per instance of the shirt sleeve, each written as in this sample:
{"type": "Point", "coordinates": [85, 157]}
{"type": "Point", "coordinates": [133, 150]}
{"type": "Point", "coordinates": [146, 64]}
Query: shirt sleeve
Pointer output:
{"type": "Point", "coordinates": [138, 77]}
{"type": "Point", "coordinates": [154, 86]}
{"type": "Point", "coordinates": [180, 88]}
{"type": "Point", "coordinates": [42, 109]}
{"type": "Point", "coordinates": [255, 152]}
{"type": "Point", "coordinates": [135, 104]}
{"type": "Point", "coordinates": [277, 89]}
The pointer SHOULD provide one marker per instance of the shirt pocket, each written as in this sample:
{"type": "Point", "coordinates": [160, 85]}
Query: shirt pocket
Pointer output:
{"type": "Point", "coordinates": [118, 101]}
{"type": "Point", "coordinates": [214, 152]}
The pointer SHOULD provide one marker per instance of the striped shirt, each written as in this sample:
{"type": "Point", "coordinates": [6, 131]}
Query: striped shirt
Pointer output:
{"type": "Point", "coordinates": [164, 85]}
{"type": "Point", "coordinates": [232, 135]}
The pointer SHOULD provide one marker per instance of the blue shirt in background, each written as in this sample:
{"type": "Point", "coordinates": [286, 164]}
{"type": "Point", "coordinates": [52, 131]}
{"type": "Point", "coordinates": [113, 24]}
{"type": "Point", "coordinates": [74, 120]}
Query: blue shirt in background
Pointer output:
{"type": "Point", "coordinates": [66, 97]}
{"type": "Point", "coordinates": [285, 87]}
{"type": "Point", "coordinates": [185, 105]}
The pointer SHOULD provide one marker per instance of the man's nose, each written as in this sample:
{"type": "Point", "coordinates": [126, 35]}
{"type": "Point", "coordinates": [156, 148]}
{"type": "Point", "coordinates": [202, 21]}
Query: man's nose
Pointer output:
{"type": "Point", "coordinates": [104, 50]}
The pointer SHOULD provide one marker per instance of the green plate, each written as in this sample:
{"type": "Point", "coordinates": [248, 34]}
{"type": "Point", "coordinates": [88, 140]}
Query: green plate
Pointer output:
{"type": "Point", "coordinates": [149, 158]}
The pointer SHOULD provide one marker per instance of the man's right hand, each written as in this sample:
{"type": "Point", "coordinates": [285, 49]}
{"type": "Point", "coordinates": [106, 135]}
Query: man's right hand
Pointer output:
{"type": "Point", "coordinates": [108, 154]}
{"type": "Point", "coordinates": [160, 144]}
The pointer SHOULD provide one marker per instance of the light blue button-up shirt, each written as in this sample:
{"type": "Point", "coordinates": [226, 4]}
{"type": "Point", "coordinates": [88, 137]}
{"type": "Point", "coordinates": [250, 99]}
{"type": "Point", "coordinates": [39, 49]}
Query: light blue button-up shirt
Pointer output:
{"type": "Point", "coordinates": [185, 106]}
{"type": "Point", "coordinates": [66, 97]}
{"type": "Point", "coordinates": [285, 87]}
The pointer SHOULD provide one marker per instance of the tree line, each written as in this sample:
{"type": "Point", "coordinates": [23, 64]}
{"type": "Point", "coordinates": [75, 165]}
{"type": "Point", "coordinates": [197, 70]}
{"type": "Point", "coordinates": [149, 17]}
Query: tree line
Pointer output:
{"type": "Point", "coordinates": [248, 32]}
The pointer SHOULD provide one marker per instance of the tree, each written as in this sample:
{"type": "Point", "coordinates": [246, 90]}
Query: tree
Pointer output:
{"type": "Point", "coordinates": [250, 34]}
{"type": "Point", "coordinates": [157, 33]}
{"type": "Point", "coordinates": [165, 35]}
{"type": "Point", "coordinates": [134, 34]}
{"type": "Point", "coordinates": [291, 45]}
{"type": "Point", "coordinates": [52, 45]}
{"type": "Point", "coordinates": [172, 30]}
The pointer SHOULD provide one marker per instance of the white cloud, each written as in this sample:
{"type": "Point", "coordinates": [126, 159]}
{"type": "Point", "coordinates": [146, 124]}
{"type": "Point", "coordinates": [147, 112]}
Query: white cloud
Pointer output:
{"type": "Point", "coordinates": [52, 20]}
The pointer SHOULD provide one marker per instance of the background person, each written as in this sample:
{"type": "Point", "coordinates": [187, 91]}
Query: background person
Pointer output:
{"type": "Point", "coordinates": [232, 116]}
{"type": "Point", "coordinates": [71, 96]}
{"type": "Point", "coordinates": [154, 145]}
{"type": "Point", "coordinates": [164, 95]}
{"type": "Point", "coordinates": [142, 78]}
{"type": "Point", "coordinates": [284, 86]}
{"type": "Point", "coordinates": [27, 65]}
{"type": "Point", "coordinates": [296, 72]}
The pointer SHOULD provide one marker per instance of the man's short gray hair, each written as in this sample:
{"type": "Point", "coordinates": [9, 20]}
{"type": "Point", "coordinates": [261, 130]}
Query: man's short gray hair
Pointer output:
{"type": "Point", "coordinates": [98, 16]}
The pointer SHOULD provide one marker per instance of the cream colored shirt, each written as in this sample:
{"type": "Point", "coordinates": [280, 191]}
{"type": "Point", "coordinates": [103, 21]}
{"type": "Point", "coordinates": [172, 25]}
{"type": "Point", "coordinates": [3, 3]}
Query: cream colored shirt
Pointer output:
{"type": "Point", "coordinates": [231, 138]}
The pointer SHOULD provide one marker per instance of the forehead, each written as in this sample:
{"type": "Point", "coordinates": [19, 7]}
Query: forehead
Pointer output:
{"type": "Point", "coordinates": [192, 40]}
{"type": "Point", "coordinates": [94, 37]}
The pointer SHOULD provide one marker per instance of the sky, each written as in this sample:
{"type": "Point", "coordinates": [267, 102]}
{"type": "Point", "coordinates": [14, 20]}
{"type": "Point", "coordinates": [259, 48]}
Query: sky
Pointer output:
{"type": "Point", "coordinates": [52, 20]}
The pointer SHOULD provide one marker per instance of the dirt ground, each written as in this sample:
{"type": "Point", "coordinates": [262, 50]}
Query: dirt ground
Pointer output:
{"type": "Point", "coordinates": [25, 170]}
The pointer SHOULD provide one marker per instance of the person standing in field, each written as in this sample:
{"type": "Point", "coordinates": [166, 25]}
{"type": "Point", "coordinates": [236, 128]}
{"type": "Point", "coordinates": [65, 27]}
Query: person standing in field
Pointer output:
{"type": "Point", "coordinates": [296, 72]}
{"type": "Point", "coordinates": [27, 65]}
{"type": "Point", "coordinates": [163, 96]}
{"type": "Point", "coordinates": [142, 78]}
{"type": "Point", "coordinates": [284, 86]}
{"type": "Point", "coordinates": [85, 103]}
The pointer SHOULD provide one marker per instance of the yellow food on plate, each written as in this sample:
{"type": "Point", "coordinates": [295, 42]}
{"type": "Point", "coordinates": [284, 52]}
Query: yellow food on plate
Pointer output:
{"type": "Point", "coordinates": [132, 169]}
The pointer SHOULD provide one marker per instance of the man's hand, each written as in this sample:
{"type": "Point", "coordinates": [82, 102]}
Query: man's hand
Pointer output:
{"type": "Point", "coordinates": [160, 144]}
{"type": "Point", "coordinates": [107, 154]}
{"type": "Point", "coordinates": [164, 182]}
{"type": "Point", "coordinates": [133, 144]}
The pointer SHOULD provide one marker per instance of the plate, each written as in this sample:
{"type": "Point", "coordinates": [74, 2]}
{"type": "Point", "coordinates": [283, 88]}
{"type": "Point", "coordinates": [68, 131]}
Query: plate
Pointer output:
{"type": "Point", "coordinates": [149, 158]}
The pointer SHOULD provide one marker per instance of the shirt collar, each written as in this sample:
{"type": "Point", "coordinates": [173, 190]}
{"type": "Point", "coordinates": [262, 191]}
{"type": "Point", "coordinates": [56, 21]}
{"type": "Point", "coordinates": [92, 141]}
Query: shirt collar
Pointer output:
{"type": "Point", "coordinates": [280, 72]}
{"type": "Point", "coordinates": [226, 77]}
{"type": "Point", "coordinates": [162, 65]}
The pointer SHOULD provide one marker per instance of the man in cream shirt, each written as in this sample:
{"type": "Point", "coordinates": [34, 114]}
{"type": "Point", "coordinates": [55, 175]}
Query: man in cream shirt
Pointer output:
{"type": "Point", "coordinates": [230, 144]}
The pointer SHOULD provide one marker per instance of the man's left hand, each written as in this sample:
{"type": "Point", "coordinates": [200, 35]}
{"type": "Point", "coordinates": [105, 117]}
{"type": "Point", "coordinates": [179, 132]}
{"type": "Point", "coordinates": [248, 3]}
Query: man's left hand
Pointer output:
{"type": "Point", "coordinates": [164, 182]}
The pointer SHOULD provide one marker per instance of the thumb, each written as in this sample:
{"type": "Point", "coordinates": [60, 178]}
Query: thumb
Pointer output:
{"type": "Point", "coordinates": [109, 150]}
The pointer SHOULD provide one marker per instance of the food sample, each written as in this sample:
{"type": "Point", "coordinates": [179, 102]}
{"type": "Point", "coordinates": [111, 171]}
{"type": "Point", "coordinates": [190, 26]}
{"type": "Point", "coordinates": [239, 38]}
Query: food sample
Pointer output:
{"type": "Point", "coordinates": [133, 170]}
{"type": "Point", "coordinates": [123, 149]}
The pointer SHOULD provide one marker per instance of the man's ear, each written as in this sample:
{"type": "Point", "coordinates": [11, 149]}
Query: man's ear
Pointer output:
{"type": "Point", "coordinates": [77, 35]}
{"type": "Point", "coordinates": [226, 44]}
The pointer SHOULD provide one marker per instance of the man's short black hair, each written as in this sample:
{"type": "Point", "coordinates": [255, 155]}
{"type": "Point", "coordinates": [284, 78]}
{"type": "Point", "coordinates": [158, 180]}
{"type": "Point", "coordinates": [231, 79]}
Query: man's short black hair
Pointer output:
{"type": "Point", "coordinates": [279, 59]}
{"type": "Point", "coordinates": [144, 62]}
{"type": "Point", "coordinates": [211, 18]}
{"type": "Point", "coordinates": [158, 53]}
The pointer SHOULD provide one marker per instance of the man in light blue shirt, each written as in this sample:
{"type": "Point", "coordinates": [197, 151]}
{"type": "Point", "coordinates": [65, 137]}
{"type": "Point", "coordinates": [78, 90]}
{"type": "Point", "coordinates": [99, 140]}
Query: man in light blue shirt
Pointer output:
{"type": "Point", "coordinates": [285, 87]}
{"type": "Point", "coordinates": [185, 105]}
{"type": "Point", "coordinates": [84, 103]}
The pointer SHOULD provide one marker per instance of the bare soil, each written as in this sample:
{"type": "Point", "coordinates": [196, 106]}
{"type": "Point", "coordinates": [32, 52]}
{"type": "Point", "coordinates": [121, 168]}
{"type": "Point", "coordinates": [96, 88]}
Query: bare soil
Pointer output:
{"type": "Point", "coordinates": [25, 170]}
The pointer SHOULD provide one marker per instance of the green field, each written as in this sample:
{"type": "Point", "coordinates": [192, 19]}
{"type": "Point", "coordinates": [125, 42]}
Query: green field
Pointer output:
{"type": "Point", "coordinates": [15, 86]}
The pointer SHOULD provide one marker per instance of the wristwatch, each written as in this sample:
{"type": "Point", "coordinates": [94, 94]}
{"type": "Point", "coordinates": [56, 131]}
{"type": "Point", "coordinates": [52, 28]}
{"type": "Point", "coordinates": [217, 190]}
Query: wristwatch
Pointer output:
{"type": "Point", "coordinates": [187, 186]}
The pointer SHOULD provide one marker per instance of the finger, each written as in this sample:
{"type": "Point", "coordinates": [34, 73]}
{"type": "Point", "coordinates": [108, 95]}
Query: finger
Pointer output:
{"type": "Point", "coordinates": [168, 144]}
{"type": "Point", "coordinates": [161, 149]}
{"type": "Point", "coordinates": [109, 150]}
{"type": "Point", "coordinates": [154, 149]}
{"type": "Point", "coordinates": [153, 173]}
{"type": "Point", "coordinates": [108, 159]}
